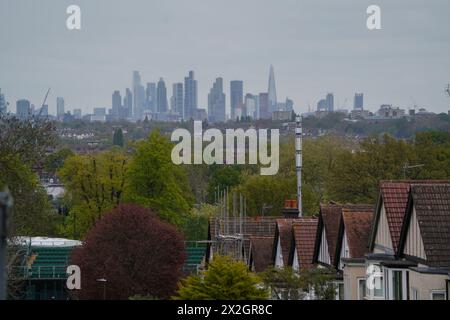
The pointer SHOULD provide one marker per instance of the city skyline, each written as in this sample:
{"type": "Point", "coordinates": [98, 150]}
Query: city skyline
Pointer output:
{"type": "Point", "coordinates": [315, 46]}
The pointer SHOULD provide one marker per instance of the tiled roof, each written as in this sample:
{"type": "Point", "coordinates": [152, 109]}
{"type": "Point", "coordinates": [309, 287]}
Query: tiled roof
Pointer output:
{"type": "Point", "coordinates": [395, 198]}
{"type": "Point", "coordinates": [251, 226]}
{"type": "Point", "coordinates": [261, 252]}
{"type": "Point", "coordinates": [357, 226]}
{"type": "Point", "coordinates": [432, 204]}
{"type": "Point", "coordinates": [331, 215]}
{"type": "Point", "coordinates": [305, 230]}
{"type": "Point", "coordinates": [284, 227]}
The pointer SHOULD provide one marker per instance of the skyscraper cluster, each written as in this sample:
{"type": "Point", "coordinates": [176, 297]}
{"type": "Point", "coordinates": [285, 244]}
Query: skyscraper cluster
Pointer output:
{"type": "Point", "coordinates": [153, 101]}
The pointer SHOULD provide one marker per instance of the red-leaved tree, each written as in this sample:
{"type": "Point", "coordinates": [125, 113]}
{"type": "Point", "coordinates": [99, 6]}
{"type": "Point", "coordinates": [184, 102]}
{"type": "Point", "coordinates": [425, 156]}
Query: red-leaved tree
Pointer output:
{"type": "Point", "coordinates": [134, 251]}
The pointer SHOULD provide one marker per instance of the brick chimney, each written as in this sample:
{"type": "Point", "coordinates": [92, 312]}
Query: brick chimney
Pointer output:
{"type": "Point", "coordinates": [290, 210]}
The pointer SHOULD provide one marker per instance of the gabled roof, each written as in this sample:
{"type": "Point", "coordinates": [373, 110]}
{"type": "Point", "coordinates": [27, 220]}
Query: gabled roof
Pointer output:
{"type": "Point", "coordinates": [394, 196]}
{"type": "Point", "coordinates": [305, 230]}
{"type": "Point", "coordinates": [432, 205]}
{"type": "Point", "coordinates": [284, 233]}
{"type": "Point", "coordinates": [261, 252]}
{"type": "Point", "coordinates": [251, 226]}
{"type": "Point", "coordinates": [330, 216]}
{"type": "Point", "coordinates": [356, 224]}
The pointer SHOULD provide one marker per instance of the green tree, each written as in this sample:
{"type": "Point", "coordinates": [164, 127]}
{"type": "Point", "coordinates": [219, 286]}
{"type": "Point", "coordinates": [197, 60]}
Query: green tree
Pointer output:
{"type": "Point", "coordinates": [55, 160]}
{"type": "Point", "coordinates": [222, 177]}
{"type": "Point", "coordinates": [94, 185]}
{"type": "Point", "coordinates": [224, 279]}
{"type": "Point", "coordinates": [153, 181]}
{"type": "Point", "coordinates": [118, 137]}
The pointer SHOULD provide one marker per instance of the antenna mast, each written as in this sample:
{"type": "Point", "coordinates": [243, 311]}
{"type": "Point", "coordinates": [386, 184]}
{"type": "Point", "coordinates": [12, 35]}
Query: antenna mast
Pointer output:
{"type": "Point", "coordinates": [298, 161]}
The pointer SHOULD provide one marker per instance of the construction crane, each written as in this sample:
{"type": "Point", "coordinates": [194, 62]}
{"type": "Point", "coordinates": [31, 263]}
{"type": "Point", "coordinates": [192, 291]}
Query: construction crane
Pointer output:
{"type": "Point", "coordinates": [43, 102]}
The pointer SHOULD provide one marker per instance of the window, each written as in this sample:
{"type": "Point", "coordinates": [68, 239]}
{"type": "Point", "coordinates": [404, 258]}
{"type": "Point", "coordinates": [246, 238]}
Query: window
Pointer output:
{"type": "Point", "coordinates": [361, 288]}
{"type": "Point", "coordinates": [397, 282]}
{"type": "Point", "coordinates": [438, 295]}
{"type": "Point", "coordinates": [375, 282]}
{"type": "Point", "coordinates": [341, 291]}
{"type": "Point", "coordinates": [415, 294]}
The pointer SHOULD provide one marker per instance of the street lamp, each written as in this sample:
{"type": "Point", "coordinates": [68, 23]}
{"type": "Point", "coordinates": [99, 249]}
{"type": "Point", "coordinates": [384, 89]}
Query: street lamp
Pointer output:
{"type": "Point", "coordinates": [103, 280]}
{"type": "Point", "coordinates": [6, 203]}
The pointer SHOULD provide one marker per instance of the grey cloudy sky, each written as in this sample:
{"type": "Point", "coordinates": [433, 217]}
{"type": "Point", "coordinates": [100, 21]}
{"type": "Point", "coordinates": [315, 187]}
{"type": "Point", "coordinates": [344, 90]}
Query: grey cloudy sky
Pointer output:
{"type": "Point", "coordinates": [316, 47]}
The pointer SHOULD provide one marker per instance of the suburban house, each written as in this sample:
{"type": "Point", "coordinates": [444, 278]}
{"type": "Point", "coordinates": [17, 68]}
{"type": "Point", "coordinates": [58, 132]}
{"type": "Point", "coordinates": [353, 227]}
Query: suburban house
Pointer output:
{"type": "Point", "coordinates": [387, 270]}
{"type": "Point", "coordinates": [425, 240]}
{"type": "Point", "coordinates": [333, 236]}
{"type": "Point", "coordinates": [352, 246]}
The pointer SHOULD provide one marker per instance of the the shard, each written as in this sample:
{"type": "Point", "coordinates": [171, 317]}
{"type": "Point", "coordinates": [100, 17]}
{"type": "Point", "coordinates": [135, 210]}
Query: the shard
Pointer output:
{"type": "Point", "coordinates": [272, 92]}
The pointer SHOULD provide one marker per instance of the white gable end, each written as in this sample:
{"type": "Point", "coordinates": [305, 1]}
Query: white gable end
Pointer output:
{"type": "Point", "coordinates": [345, 250]}
{"type": "Point", "coordinates": [279, 255]}
{"type": "Point", "coordinates": [295, 262]}
{"type": "Point", "coordinates": [414, 242]}
{"type": "Point", "coordinates": [324, 254]}
{"type": "Point", "coordinates": [383, 241]}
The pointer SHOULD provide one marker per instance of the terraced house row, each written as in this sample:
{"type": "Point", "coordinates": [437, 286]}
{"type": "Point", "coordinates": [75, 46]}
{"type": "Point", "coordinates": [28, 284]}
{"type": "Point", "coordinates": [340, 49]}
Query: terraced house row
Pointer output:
{"type": "Point", "coordinates": [396, 249]}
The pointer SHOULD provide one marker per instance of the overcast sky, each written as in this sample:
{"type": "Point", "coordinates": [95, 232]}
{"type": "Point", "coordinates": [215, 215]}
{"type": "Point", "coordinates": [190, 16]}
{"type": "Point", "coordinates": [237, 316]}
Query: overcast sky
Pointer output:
{"type": "Point", "coordinates": [316, 47]}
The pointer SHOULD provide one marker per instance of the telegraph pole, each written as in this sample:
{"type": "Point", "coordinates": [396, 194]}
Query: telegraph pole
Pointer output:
{"type": "Point", "coordinates": [5, 217]}
{"type": "Point", "coordinates": [298, 161]}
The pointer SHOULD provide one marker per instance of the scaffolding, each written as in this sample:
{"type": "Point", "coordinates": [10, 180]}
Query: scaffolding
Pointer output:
{"type": "Point", "coordinates": [230, 229]}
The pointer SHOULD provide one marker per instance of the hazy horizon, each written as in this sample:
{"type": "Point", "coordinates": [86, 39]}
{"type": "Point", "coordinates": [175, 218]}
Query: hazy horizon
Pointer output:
{"type": "Point", "coordinates": [315, 46]}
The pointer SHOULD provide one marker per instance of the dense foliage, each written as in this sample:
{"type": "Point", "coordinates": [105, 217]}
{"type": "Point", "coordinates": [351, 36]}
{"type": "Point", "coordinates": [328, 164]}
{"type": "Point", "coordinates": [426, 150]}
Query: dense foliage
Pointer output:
{"type": "Point", "coordinates": [136, 252]}
{"type": "Point", "coordinates": [224, 279]}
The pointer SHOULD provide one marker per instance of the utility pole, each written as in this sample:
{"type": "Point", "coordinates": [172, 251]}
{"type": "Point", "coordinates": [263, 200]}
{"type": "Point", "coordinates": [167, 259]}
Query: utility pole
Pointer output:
{"type": "Point", "coordinates": [298, 161]}
{"type": "Point", "coordinates": [6, 203]}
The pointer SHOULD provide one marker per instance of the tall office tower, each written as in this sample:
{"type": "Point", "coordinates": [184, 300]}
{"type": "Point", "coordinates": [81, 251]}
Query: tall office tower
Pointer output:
{"type": "Point", "coordinates": [150, 96]}
{"type": "Point", "coordinates": [116, 104]}
{"type": "Point", "coordinates": [23, 109]}
{"type": "Point", "coordinates": [3, 109]}
{"type": "Point", "coordinates": [272, 92]}
{"type": "Point", "coordinates": [190, 96]}
{"type": "Point", "coordinates": [236, 96]}
{"type": "Point", "coordinates": [289, 105]}
{"type": "Point", "coordinates": [60, 108]}
{"type": "Point", "coordinates": [358, 102]}
{"type": "Point", "coordinates": [264, 106]}
{"type": "Point", "coordinates": [161, 94]}
{"type": "Point", "coordinates": [128, 103]}
{"type": "Point", "coordinates": [177, 98]}
{"type": "Point", "coordinates": [138, 96]}
{"type": "Point", "coordinates": [330, 102]}
{"type": "Point", "coordinates": [216, 102]}
{"type": "Point", "coordinates": [251, 105]}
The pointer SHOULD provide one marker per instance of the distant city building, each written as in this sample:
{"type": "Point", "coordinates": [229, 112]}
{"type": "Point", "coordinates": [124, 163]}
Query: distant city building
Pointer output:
{"type": "Point", "coordinates": [358, 101]}
{"type": "Point", "coordinates": [161, 96]}
{"type": "Point", "coordinates": [200, 114]}
{"type": "Point", "coordinates": [322, 105]}
{"type": "Point", "coordinates": [190, 96]}
{"type": "Point", "coordinates": [150, 96]}
{"type": "Point", "coordinates": [60, 108]}
{"type": "Point", "coordinates": [272, 92]}
{"type": "Point", "coordinates": [236, 96]}
{"type": "Point", "coordinates": [138, 96]}
{"type": "Point", "coordinates": [282, 115]}
{"type": "Point", "coordinates": [77, 113]}
{"type": "Point", "coordinates": [128, 103]}
{"type": "Point", "coordinates": [99, 115]}
{"type": "Point", "coordinates": [3, 107]}
{"type": "Point", "coordinates": [43, 111]}
{"type": "Point", "coordinates": [251, 105]}
{"type": "Point", "coordinates": [289, 105]}
{"type": "Point", "coordinates": [216, 102]}
{"type": "Point", "coordinates": [330, 102]}
{"type": "Point", "coordinates": [263, 101]}
{"type": "Point", "coordinates": [387, 111]}
{"type": "Point", "coordinates": [116, 104]}
{"type": "Point", "coordinates": [23, 109]}
{"type": "Point", "coordinates": [177, 98]}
